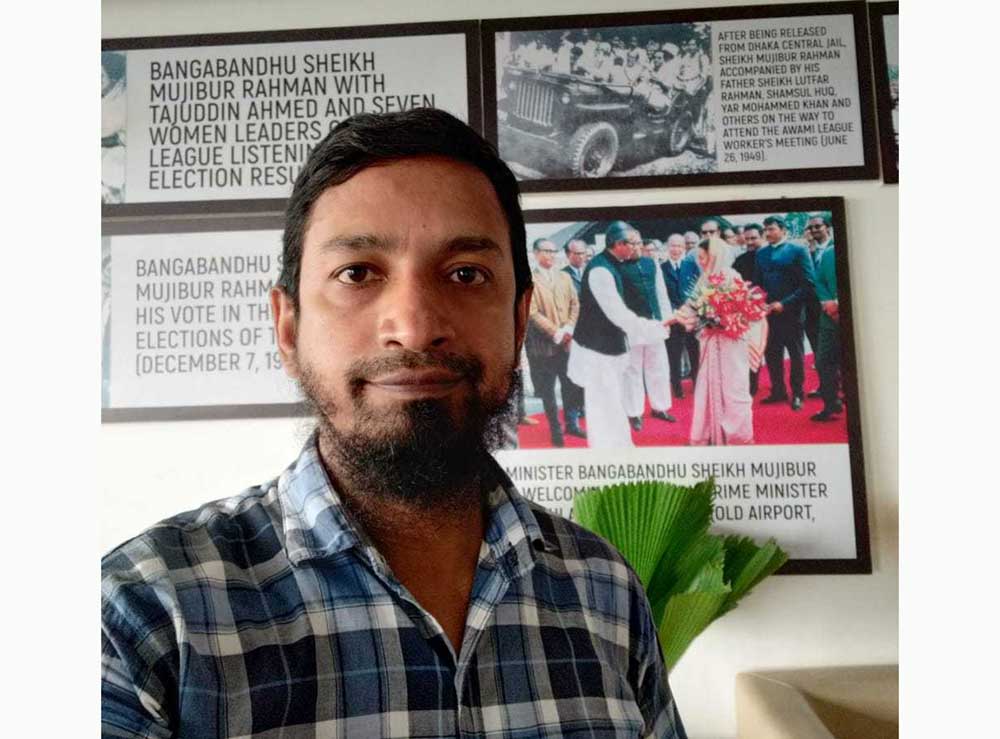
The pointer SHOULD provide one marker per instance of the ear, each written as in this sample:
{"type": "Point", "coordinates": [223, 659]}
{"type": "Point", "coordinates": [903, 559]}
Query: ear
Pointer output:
{"type": "Point", "coordinates": [521, 309]}
{"type": "Point", "coordinates": [285, 330]}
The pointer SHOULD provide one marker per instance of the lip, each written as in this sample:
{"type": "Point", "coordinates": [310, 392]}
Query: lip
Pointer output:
{"type": "Point", "coordinates": [417, 382]}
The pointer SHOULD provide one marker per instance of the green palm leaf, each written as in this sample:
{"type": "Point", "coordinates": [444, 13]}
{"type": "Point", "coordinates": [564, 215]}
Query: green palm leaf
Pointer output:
{"type": "Point", "coordinates": [691, 577]}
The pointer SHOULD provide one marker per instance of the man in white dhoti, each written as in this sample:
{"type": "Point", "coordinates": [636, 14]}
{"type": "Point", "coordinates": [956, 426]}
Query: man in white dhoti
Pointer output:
{"type": "Point", "coordinates": [606, 328]}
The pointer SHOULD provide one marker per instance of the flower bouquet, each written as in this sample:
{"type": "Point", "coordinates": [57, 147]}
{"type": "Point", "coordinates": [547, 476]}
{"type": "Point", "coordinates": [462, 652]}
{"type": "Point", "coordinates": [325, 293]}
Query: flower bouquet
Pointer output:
{"type": "Point", "coordinates": [727, 306]}
{"type": "Point", "coordinates": [691, 577]}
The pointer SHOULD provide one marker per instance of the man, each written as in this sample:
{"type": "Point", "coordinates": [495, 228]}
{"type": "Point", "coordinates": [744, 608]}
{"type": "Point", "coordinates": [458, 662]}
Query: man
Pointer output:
{"type": "Point", "coordinates": [693, 68]}
{"type": "Point", "coordinates": [818, 229]}
{"type": "Point", "coordinates": [828, 352]}
{"type": "Point", "coordinates": [576, 256]}
{"type": "Point", "coordinates": [601, 67]}
{"type": "Point", "coordinates": [599, 355]}
{"type": "Point", "coordinates": [391, 582]}
{"type": "Point", "coordinates": [662, 79]}
{"type": "Point", "coordinates": [651, 250]}
{"type": "Point", "coordinates": [745, 264]}
{"type": "Point", "coordinates": [648, 371]}
{"type": "Point", "coordinates": [642, 56]}
{"type": "Point", "coordinates": [691, 240]}
{"type": "Point", "coordinates": [551, 318]}
{"type": "Point", "coordinates": [635, 71]}
{"type": "Point", "coordinates": [679, 276]}
{"type": "Point", "coordinates": [784, 271]}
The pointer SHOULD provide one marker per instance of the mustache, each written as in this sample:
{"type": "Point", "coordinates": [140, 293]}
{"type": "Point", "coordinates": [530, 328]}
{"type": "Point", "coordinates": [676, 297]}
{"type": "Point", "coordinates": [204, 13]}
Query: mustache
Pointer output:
{"type": "Point", "coordinates": [362, 371]}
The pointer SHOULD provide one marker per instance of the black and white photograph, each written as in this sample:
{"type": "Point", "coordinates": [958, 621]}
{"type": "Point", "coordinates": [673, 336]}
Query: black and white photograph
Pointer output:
{"type": "Point", "coordinates": [635, 101]}
{"type": "Point", "coordinates": [885, 52]}
{"type": "Point", "coordinates": [682, 97]}
{"type": "Point", "coordinates": [113, 119]}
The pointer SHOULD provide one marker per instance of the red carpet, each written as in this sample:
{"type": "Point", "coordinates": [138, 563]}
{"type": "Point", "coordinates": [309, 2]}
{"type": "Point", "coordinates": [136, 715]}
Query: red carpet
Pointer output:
{"type": "Point", "coordinates": [773, 424]}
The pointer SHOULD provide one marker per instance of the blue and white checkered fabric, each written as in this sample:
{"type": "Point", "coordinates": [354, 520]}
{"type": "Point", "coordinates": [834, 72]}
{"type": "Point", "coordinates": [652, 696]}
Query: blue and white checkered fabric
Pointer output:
{"type": "Point", "coordinates": [270, 614]}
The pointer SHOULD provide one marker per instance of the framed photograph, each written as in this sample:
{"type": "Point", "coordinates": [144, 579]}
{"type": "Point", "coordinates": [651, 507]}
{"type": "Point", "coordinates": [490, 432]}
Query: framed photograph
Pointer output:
{"type": "Point", "coordinates": [769, 409]}
{"type": "Point", "coordinates": [713, 96]}
{"type": "Point", "coordinates": [224, 122]}
{"type": "Point", "coordinates": [186, 320]}
{"type": "Point", "coordinates": [884, 19]}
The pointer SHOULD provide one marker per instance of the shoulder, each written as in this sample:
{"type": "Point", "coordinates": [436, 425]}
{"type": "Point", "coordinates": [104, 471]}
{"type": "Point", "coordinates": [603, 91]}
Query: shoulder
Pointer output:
{"type": "Point", "coordinates": [240, 531]}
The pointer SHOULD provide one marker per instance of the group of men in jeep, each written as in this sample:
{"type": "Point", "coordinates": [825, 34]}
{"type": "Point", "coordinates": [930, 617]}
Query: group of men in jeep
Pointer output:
{"type": "Point", "coordinates": [657, 71]}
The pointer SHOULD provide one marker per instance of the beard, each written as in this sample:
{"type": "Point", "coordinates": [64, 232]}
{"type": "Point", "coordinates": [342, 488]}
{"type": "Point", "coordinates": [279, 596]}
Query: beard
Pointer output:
{"type": "Point", "coordinates": [425, 453]}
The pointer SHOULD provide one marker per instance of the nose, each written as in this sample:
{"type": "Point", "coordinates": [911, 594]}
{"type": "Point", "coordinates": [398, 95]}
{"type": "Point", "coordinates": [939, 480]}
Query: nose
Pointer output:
{"type": "Point", "coordinates": [415, 315]}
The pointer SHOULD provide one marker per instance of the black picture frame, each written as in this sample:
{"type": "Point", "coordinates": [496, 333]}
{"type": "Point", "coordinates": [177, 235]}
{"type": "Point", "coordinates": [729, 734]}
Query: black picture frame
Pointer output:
{"type": "Point", "coordinates": [468, 28]}
{"type": "Point", "coordinates": [861, 563]}
{"type": "Point", "coordinates": [857, 10]}
{"type": "Point", "coordinates": [888, 146]}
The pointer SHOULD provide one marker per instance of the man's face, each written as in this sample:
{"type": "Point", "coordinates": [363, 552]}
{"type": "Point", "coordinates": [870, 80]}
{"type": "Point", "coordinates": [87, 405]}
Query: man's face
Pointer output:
{"type": "Point", "coordinates": [751, 239]}
{"type": "Point", "coordinates": [545, 254]}
{"type": "Point", "coordinates": [634, 241]}
{"type": "Point", "coordinates": [676, 247]}
{"type": "Point", "coordinates": [657, 60]}
{"type": "Point", "coordinates": [649, 250]}
{"type": "Point", "coordinates": [690, 240]}
{"type": "Point", "coordinates": [577, 255]}
{"type": "Point", "coordinates": [691, 46]}
{"type": "Point", "coordinates": [729, 235]}
{"type": "Point", "coordinates": [709, 229]}
{"type": "Point", "coordinates": [819, 230]}
{"type": "Point", "coordinates": [406, 304]}
{"type": "Point", "coordinates": [774, 233]}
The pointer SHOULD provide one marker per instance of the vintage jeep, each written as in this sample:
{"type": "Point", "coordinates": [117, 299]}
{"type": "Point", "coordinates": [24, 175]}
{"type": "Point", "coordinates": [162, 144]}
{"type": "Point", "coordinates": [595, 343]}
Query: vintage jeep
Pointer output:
{"type": "Point", "coordinates": [587, 127]}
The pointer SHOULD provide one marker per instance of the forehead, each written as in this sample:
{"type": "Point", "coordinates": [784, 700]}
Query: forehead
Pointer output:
{"type": "Point", "coordinates": [415, 201]}
{"type": "Point", "coordinates": [817, 221]}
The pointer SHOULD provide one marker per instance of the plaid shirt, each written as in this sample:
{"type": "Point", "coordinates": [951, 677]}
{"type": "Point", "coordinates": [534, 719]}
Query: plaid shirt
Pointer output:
{"type": "Point", "coordinates": [270, 614]}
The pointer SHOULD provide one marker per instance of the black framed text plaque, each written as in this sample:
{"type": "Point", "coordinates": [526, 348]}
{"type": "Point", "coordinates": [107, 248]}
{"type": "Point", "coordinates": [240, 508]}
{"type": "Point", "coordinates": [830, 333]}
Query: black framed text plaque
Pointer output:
{"type": "Point", "coordinates": [223, 122]}
{"type": "Point", "coordinates": [748, 94]}
{"type": "Point", "coordinates": [791, 476]}
{"type": "Point", "coordinates": [884, 19]}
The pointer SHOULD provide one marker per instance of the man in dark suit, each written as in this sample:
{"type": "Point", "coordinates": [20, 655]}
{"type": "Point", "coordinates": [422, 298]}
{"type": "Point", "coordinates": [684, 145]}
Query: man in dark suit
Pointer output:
{"type": "Point", "coordinates": [828, 348]}
{"type": "Point", "coordinates": [820, 240]}
{"type": "Point", "coordinates": [576, 255]}
{"type": "Point", "coordinates": [679, 274]}
{"type": "Point", "coordinates": [785, 272]}
{"type": "Point", "coordinates": [745, 264]}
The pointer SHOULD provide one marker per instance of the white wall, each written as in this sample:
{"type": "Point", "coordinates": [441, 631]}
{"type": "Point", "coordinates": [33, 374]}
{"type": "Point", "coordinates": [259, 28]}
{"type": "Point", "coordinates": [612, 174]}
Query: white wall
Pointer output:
{"type": "Point", "coordinates": [153, 470]}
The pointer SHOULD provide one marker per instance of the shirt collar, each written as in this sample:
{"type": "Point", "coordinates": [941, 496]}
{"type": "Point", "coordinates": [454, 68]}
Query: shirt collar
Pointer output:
{"type": "Point", "coordinates": [317, 524]}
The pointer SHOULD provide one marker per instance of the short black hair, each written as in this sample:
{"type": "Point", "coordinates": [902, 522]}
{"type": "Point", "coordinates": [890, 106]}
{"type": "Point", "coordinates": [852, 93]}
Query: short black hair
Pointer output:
{"type": "Point", "coordinates": [825, 217]}
{"type": "Point", "coordinates": [753, 227]}
{"type": "Point", "coordinates": [368, 139]}
{"type": "Point", "coordinates": [776, 220]}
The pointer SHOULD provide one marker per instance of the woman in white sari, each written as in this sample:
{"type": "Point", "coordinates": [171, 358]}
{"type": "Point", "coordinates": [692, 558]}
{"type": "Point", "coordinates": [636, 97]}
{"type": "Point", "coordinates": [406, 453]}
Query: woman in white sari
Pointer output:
{"type": "Point", "coordinates": [723, 412]}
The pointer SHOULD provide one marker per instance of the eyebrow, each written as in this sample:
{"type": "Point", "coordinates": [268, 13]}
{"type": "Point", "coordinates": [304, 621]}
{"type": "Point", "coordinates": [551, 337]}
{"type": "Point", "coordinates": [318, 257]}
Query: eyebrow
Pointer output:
{"type": "Point", "coordinates": [379, 242]}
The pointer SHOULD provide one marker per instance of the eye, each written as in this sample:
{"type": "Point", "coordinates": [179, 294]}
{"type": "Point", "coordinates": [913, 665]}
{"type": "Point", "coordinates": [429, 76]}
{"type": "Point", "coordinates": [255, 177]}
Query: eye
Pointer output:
{"type": "Point", "coordinates": [356, 274]}
{"type": "Point", "coordinates": [468, 275]}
